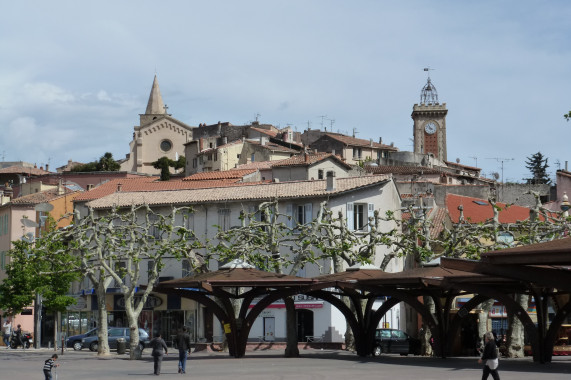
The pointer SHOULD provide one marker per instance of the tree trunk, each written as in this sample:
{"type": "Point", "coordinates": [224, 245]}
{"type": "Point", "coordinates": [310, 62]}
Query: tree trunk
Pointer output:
{"type": "Point", "coordinates": [292, 350]}
{"type": "Point", "coordinates": [483, 318]}
{"type": "Point", "coordinates": [515, 339]}
{"type": "Point", "coordinates": [132, 319]}
{"type": "Point", "coordinates": [349, 336]}
{"type": "Point", "coordinates": [426, 333]}
{"type": "Point", "coordinates": [103, 346]}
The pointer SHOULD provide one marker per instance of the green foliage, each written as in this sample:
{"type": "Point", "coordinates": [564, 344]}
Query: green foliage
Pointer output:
{"type": "Point", "coordinates": [106, 163]}
{"type": "Point", "coordinates": [537, 165]}
{"type": "Point", "coordinates": [164, 163]}
{"type": "Point", "coordinates": [32, 269]}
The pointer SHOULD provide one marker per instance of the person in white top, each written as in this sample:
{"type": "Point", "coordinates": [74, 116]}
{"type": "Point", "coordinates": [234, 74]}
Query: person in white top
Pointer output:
{"type": "Point", "coordinates": [7, 330]}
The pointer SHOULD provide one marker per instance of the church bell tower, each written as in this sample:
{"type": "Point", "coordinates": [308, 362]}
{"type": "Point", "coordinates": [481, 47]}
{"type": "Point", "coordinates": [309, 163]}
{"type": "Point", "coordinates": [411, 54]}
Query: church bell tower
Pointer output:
{"type": "Point", "coordinates": [429, 118]}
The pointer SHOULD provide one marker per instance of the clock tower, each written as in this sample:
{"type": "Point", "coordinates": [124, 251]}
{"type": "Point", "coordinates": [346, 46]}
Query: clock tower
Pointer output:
{"type": "Point", "coordinates": [429, 128]}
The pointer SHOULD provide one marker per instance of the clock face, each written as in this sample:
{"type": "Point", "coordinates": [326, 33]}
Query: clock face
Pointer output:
{"type": "Point", "coordinates": [430, 128]}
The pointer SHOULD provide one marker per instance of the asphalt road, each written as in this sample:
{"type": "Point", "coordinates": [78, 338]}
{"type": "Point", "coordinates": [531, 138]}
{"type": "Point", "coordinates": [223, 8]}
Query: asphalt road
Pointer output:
{"type": "Point", "coordinates": [269, 365]}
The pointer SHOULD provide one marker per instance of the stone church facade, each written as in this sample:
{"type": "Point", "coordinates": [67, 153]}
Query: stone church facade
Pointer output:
{"type": "Point", "coordinates": [158, 134]}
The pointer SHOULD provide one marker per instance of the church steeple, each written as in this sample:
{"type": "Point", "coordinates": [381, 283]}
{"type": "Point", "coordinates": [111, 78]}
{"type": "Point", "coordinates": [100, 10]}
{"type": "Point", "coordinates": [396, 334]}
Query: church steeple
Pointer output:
{"type": "Point", "coordinates": [155, 106]}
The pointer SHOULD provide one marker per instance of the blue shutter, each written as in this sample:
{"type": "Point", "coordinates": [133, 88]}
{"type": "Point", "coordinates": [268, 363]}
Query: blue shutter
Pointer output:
{"type": "Point", "coordinates": [350, 216]}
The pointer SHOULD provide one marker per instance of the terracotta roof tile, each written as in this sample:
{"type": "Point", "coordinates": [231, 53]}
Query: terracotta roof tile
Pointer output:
{"type": "Point", "coordinates": [384, 169]}
{"type": "Point", "coordinates": [477, 213]}
{"type": "Point", "coordinates": [307, 160]}
{"type": "Point", "coordinates": [236, 192]}
{"type": "Point", "coordinates": [41, 197]}
{"type": "Point", "coordinates": [149, 184]}
{"type": "Point", "coordinates": [265, 131]}
{"type": "Point", "coordinates": [260, 165]}
{"type": "Point", "coordinates": [273, 147]}
{"type": "Point", "coordinates": [353, 141]}
{"type": "Point", "coordinates": [226, 174]}
{"type": "Point", "coordinates": [16, 169]}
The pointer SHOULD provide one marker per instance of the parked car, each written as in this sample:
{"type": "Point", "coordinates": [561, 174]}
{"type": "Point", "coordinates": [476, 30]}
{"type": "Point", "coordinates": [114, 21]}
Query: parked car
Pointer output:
{"type": "Point", "coordinates": [391, 341]}
{"type": "Point", "coordinates": [114, 333]}
{"type": "Point", "coordinates": [74, 341]}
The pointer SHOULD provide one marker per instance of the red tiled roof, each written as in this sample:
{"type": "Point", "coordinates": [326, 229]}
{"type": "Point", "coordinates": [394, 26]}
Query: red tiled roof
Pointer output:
{"type": "Point", "coordinates": [353, 141]}
{"type": "Point", "coordinates": [260, 165]}
{"type": "Point", "coordinates": [273, 147]}
{"type": "Point", "coordinates": [384, 169]}
{"type": "Point", "coordinates": [226, 174]}
{"type": "Point", "coordinates": [476, 213]}
{"type": "Point", "coordinates": [16, 169]}
{"type": "Point", "coordinates": [41, 197]}
{"type": "Point", "coordinates": [455, 164]}
{"type": "Point", "coordinates": [149, 184]}
{"type": "Point", "coordinates": [563, 173]}
{"type": "Point", "coordinates": [237, 192]}
{"type": "Point", "coordinates": [307, 160]}
{"type": "Point", "coordinates": [265, 131]}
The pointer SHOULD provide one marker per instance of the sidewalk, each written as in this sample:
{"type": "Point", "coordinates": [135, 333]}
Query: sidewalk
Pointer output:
{"type": "Point", "coordinates": [313, 364]}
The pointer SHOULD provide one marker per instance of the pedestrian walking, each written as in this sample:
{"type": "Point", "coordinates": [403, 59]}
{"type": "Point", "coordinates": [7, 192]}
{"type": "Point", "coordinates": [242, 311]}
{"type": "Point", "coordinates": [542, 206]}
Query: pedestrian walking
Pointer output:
{"type": "Point", "coordinates": [490, 357]}
{"type": "Point", "coordinates": [183, 345]}
{"type": "Point", "coordinates": [7, 331]}
{"type": "Point", "coordinates": [159, 350]}
{"type": "Point", "coordinates": [48, 365]}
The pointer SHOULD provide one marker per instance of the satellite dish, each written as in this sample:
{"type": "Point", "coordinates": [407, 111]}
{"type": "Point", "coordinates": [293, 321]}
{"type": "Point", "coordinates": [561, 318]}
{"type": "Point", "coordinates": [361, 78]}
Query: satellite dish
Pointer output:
{"type": "Point", "coordinates": [44, 207]}
{"type": "Point", "coordinates": [29, 237]}
{"type": "Point", "coordinates": [29, 223]}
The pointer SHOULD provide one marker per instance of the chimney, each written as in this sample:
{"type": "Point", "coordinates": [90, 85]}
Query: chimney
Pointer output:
{"type": "Point", "coordinates": [380, 140]}
{"type": "Point", "coordinates": [276, 180]}
{"type": "Point", "coordinates": [566, 162]}
{"type": "Point", "coordinates": [119, 187]}
{"type": "Point", "coordinates": [60, 188]}
{"type": "Point", "coordinates": [89, 186]}
{"type": "Point", "coordinates": [8, 192]}
{"type": "Point", "coordinates": [371, 142]}
{"type": "Point", "coordinates": [47, 167]}
{"type": "Point", "coordinates": [330, 181]}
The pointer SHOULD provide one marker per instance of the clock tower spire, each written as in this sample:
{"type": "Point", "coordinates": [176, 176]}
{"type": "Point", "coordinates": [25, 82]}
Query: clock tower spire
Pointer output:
{"type": "Point", "coordinates": [429, 117]}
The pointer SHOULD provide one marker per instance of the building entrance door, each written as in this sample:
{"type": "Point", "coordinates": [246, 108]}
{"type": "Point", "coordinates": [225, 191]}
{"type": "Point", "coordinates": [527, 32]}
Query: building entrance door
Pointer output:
{"type": "Point", "coordinates": [304, 324]}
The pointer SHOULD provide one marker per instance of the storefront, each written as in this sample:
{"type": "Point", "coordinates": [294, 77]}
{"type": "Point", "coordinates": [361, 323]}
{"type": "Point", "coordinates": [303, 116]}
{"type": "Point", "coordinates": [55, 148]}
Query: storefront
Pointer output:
{"type": "Point", "coordinates": [161, 313]}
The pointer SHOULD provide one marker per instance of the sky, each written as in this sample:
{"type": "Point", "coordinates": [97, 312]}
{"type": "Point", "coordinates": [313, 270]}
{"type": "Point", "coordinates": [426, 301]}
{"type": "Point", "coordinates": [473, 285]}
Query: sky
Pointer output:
{"type": "Point", "coordinates": [74, 76]}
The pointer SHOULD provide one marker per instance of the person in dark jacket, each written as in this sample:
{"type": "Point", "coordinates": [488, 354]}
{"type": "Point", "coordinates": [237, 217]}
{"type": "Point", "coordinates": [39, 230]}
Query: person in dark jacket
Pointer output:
{"type": "Point", "coordinates": [159, 350]}
{"type": "Point", "coordinates": [490, 357]}
{"type": "Point", "coordinates": [183, 345]}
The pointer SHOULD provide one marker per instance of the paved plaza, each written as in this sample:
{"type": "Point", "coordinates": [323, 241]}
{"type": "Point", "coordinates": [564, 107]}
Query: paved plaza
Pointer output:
{"type": "Point", "coordinates": [269, 365]}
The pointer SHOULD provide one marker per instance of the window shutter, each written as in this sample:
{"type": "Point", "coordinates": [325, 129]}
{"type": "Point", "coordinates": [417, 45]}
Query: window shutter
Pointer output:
{"type": "Point", "coordinates": [350, 216]}
{"type": "Point", "coordinates": [308, 209]}
{"type": "Point", "coordinates": [371, 213]}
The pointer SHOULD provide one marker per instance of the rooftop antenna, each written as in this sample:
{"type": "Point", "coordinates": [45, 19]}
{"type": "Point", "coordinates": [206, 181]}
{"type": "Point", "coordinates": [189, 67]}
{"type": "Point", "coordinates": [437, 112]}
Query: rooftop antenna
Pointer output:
{"type": "Point", "coordinates": [308, 125]}
{"type": "Point", "coordinates": [322, 118]}
{"type": "Point", "coordinates": [3, 155]}
{"type": "Point", "coordinates": [355, 132]}
{"type": "Point", "coordinates": [476, 159]}
{"type": "Point", "coordinates": [332, 121]}
{"type": "Point", "coordinates": [502, 160]}
{"type": "Point", "coordinates": [257, 116]}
